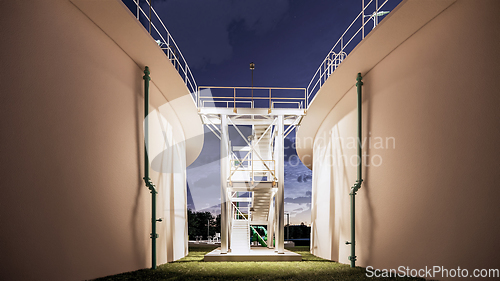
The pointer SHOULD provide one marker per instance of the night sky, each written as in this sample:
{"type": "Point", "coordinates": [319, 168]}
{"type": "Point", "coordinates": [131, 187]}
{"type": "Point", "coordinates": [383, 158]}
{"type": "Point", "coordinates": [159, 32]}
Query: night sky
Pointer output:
{"type": "Point", "coordinates": [286, 39]}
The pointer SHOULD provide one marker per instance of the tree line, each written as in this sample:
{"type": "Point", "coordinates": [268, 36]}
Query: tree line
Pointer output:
{"type": "Point", "coordinates": [204, 224]}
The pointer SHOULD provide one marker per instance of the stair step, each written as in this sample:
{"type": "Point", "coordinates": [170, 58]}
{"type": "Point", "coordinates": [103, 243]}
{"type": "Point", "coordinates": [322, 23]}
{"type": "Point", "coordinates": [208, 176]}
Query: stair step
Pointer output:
{"type": "Point", "coordinates": [240, 236]}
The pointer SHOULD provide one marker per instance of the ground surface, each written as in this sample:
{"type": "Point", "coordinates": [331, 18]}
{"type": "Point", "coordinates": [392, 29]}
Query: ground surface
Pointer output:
{"type": "Point", "coordinates": [193, 267]}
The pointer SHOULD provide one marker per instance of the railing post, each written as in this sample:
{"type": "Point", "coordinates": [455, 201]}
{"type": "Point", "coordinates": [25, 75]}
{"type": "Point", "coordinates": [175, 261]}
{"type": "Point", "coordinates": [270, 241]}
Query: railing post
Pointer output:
{"type": "Point", "coordinates": [150, 7]}
{"type": "Point", "coordinates": [198, 98]}
{"type": "Point", "coordinates": [234, 100]}
{"type": "Point", "coordinates": [270, 102]}
{"type": "Point", "coordinates": [363, 18]}
{"type": "Point", "coordinates": [307, 98]}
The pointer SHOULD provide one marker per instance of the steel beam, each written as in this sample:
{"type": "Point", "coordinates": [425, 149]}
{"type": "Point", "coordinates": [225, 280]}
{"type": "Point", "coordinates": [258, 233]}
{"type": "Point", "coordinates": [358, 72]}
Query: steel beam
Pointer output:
{"type": "Point", "coordinates": [251, 111]}
{"type": "Point", "coordinates": [270, 229]}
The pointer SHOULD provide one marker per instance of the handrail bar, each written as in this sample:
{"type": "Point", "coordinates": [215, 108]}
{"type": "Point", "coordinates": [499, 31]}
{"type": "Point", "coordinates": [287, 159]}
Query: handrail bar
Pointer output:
{"type": "Point", "coordinates": [173, 51]}
{"type": "Point", "coordinates": [333, 59]}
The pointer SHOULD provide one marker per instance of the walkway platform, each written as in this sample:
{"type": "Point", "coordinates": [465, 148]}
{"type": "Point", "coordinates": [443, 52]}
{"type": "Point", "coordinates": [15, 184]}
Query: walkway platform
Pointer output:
{"type": "Point", "coordinates": [255, 254]}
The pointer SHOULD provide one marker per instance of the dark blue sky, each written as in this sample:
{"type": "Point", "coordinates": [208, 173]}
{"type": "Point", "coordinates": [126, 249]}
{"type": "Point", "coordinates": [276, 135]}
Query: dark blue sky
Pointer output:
{"type": "Point", "coordinates": [286, 39]}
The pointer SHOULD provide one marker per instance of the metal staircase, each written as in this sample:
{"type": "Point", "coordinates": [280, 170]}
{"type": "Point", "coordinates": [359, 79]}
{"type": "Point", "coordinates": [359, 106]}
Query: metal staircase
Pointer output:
{"type": "Point", "coordinates": [263, 148]}
{"type": "Point", "coordinates": [240, 236]}
{"type": "Point", "coordinates": [252, 175]}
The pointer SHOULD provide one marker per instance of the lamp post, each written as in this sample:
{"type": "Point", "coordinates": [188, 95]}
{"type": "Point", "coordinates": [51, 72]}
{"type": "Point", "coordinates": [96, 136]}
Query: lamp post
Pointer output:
{"type": "Point", "coordinates": [252, 67]}
{"type": "Point", "coordinates": [375, 16]}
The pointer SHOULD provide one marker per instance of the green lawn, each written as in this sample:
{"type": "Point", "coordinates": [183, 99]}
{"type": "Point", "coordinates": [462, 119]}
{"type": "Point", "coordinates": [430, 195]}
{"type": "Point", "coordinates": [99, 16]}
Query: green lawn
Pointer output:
{"type": "Point", "coordinates": [193, 267]}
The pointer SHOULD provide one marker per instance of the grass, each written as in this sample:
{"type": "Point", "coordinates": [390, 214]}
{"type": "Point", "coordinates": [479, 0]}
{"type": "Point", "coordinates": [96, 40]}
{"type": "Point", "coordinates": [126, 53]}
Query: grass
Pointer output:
{"type": "Point", "coordinates": [192, 267]}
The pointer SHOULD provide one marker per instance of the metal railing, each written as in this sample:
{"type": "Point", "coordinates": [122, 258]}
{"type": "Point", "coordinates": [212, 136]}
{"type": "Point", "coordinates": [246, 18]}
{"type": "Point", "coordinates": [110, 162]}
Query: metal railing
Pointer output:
{"type": "Point", "coordinates": [345, 44]}
{"type": "Point", "coordinates": [238, 215]}
{"type": "Point", "coordinates": [252, 97]}
{"type": "Point", "coordinates": [155, 26]}
{"type": "Point", "coordinates": [248, 166]}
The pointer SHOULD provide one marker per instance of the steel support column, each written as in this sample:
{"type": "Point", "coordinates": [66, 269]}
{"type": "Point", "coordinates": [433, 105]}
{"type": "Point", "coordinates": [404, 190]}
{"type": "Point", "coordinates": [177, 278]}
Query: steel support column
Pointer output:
{"type": "Point", "coordinates": [280, 195]}
{"type": "Point", "coordinates": [270, 228]}
{"type": "Point", "coordinates": [224, 151]}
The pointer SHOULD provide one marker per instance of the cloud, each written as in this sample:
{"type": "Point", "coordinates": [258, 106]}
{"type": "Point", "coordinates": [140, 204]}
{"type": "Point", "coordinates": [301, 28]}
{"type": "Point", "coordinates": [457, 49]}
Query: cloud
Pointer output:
{"type": "Point", "coordinates": [299, 208]}
{"type": "Point", "coordinates": [202, 28]}
{"type": "Point", "coordinates": [298, 212]}
{"type": "Point", "coordinates": [298, 200]}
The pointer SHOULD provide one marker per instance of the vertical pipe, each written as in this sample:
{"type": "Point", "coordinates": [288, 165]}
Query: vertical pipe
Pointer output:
{"type": "Point", "coordinates": [147, 179]}
{"type": "Point", "coordinates": [358, 86]}
{"type": "Point", "coordinates": [146, 127]}
{"type": "Point", "coordinates": [154, 235]}
{"type": "Point", "coordinates": [359, 180]}
{"type": "Point", "coordinates": [352, 257]}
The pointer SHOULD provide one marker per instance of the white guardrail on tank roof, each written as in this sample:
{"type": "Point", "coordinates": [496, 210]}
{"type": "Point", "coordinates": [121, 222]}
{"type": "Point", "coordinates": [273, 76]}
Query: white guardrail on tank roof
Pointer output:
{"type": "Point", "coordinates": [153, 23]}
{"type": "Point", "coordinates": [333, 59]}
{"type": "Point", "coordinates": [345, 44]}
